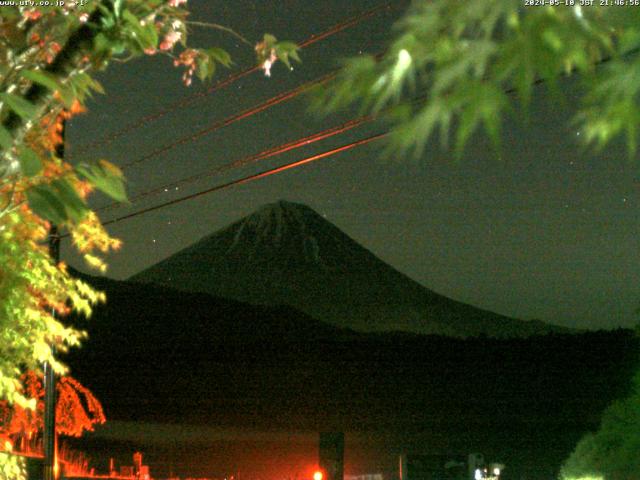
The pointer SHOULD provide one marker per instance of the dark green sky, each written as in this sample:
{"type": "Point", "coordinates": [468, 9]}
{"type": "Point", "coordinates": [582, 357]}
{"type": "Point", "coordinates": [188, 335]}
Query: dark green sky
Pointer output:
{"type": "Point", "coordinates": [543, 231]}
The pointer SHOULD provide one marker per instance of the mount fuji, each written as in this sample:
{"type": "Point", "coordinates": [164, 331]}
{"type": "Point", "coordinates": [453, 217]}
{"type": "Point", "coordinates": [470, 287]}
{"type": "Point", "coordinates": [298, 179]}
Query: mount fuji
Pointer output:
{"type": "Point", "coordinates": [287, 254]}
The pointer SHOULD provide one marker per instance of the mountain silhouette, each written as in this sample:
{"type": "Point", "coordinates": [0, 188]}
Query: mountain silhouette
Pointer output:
{"type": "Point", "coordinates": [287, 254]}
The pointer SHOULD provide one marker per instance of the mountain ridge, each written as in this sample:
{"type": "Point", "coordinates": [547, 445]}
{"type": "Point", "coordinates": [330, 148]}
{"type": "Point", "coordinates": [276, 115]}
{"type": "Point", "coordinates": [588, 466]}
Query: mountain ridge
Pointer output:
{"type": "Point", "coordinates": [287, 254]}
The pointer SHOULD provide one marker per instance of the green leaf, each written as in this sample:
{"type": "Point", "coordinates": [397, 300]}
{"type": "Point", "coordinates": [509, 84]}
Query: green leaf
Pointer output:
{"type": "Point", "coordinates": [148, 36]}
{"type": "Point", "coordinates": [142, 36]}
{"type": "Point", "coordinates": [269, 40]}
{"type": "Point", "coordinates": [203, 68]}
{"type": "Point", "coordinates": [52, 83]}
{"type": "Point", "coordinates": [85, 81]}
{"type": "Point", "coordinates": [106, 177]}
{"type": "Point", "coordinates": [289, 48]}
{"type": "Point", "coordinates": [67, 95]}
{"type": "Point", "coordinates": [117, 8]}
{"type": "Point", "coordinates": [81, 86]}
{"type": "Point", "coordinates": [96, 86]}
{"type": "Point", "coordinates": [219, 55]}
{"type": "Point", "coordinates": [43, 78]}
{"type": "Point", "coordinates": [107, 19]}
{"type": "Point", "coordinates": [286, 50]}
{"type": "Point", "coordinates": [75, 206]}
{"type": "Point", "coordinates": [206, 68]}
{"type": "Point", "coordinates": [101, 43]}
{"type": "Point", "coordinates": [45, 203]}
{"type": "Point", "coordinates": [130, 18]}
{"type": "Point", "coordinates": [294, 54]}
{"type": "Point", "coordinates": [6, 140]}
{"type": "Point", "coordinates": [30, 162]}
{"type": "Point", "coordinates": [19, 105]}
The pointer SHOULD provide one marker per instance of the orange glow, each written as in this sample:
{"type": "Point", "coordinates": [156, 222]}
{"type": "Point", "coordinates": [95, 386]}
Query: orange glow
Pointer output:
{"type": "Point", "coordinates": [304, 161]}
{"type": "Point", "coordinates": [282, 97]}
{"type": "Point", "coordinates": [317, 475]}
{"type": "Point", "coordinates": [301, 142]}
{"type": "Point", "coordinates": [241, 181]}
{"type": "Point", "coordinates": [77, 410]}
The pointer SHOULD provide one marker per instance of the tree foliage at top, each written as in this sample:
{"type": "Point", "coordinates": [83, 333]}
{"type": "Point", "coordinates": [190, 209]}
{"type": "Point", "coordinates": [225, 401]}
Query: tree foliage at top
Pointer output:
{"type": "Point", "coordinates": [453, 67]}
{"type": "Point", "coordinates": [48, 56]}
{"type": "Point", "coordinates": [457, 67]}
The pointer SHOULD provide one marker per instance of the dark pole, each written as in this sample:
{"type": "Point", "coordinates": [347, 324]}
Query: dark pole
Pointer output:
{"type": "Point", "coordinates": [331, 455]}
{"type": "Point", "coordinates": [49, 436]}
{"type": "Point", "coordinates": [49, 439]}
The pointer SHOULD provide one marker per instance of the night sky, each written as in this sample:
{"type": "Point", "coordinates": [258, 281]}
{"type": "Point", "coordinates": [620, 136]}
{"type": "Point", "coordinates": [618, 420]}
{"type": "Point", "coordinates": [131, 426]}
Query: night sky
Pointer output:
{"type": "Point", "coordinates": [544, 230]}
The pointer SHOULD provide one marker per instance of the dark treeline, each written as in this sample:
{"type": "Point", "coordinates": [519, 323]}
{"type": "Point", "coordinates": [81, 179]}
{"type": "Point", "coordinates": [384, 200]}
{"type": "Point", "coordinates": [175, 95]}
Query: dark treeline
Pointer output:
{"type": "Point", "coordinates": [158, 355]}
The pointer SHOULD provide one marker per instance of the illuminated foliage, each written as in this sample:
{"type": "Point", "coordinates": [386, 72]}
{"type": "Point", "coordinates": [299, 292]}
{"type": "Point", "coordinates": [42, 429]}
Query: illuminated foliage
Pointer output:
{"type": "Point", "coordinates": [453, 65]}
{"type": "Point", "coordinates": [457, 67]}
{"type": "Point", "coordinates": [611, 453]}
{"type": "Point", "coordinates": [12, 467]}
{"type": "Point", "coordinates": [47, 58]}
{"type": "Point", "coordinates": [77, 410]}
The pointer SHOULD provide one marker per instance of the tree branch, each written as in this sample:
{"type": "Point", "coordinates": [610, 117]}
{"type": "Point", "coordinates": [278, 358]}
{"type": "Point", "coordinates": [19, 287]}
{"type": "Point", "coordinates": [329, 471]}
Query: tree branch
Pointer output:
{"type": "Point", "coordinates": [63, 64]}
{"type": "Point", "coordinates": [216, 26]}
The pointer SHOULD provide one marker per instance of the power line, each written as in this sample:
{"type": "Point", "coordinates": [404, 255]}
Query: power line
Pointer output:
{"type": "Point", "coordinates": [348, 23]}
{"type": "Point", "coordinates": [301, 142]}
{"type": "Point", "coordinates": [249, 178]}
{"type": "Point", "coordinates": [288, 166]}
{"type": "Point", "coordinates": [224, 83]}
{"type": "Point", "coordinates": [282, 97]}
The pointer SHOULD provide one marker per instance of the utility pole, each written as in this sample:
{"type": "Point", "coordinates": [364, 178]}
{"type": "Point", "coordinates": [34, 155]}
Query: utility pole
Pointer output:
{"type": "Point", "coordinates": [331, 456]}
{"type": "Point", "coordinates": [49, 436]}
{"type": "Point", "coordinates": [49, 439]}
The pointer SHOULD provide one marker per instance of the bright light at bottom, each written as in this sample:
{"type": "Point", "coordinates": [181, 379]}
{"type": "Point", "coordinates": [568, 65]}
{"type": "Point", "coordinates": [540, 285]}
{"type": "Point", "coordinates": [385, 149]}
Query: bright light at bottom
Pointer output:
{"type": "Point", "coordinates": [317, 475]}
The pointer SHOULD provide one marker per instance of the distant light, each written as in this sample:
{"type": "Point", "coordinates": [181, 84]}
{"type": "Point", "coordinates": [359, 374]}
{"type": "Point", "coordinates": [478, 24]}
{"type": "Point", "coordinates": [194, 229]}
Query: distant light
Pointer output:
{"type": "Point", "coordinates": [496, 471]}
{"type": "Point", "coordinates": [478, 475]}
{"type": "Point", "coordinates": [317, 475]}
